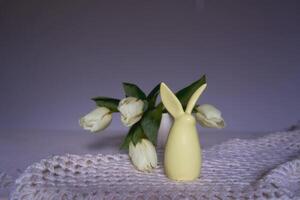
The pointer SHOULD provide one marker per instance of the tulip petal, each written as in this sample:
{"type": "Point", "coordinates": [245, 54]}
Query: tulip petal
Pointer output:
{"type": "Point", "coordinates": [131, 110]}
{"type": "Point", "coordinates": [143, 155]}
{"type": "Point", "coordinates": [96, 120]}
{"type": "Point", "coordinates": [209, 116]}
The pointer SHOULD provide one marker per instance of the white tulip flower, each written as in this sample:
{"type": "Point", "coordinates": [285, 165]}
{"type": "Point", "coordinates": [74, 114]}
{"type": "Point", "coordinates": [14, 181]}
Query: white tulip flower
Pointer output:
{"type": "Point", "coordinates": [131, 110]}
{"type": "Point", "coordinates": [143, 155]}
{"type": "Point", "coordinates": [209, 116]}
{"type": "Point", "coordinates": [96, 120]}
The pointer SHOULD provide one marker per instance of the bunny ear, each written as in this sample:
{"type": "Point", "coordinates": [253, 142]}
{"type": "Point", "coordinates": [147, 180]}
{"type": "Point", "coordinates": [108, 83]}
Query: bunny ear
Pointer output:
{"type": "Point", "coordinates": [194, 98]}
{"type": "Point", "coordinates": [170, 101]}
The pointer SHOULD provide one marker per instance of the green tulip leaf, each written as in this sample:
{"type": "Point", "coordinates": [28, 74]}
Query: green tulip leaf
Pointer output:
{"type": "Point", "coordinates": [138, 134]}
{"type": "Point", "coordinates": [132, 90]}
{"type": "Point", "coordinates": [134, 135]}
{"type": "Point", "coordinates": [185, 94]}
{"type": "Point", "coordinates": [151, 122]}
{"type": "Point", "coordinates": [110, 103]}
{"type": "Point", "coordinates": [146, 105]}
{"type": "Point", "coordinates": [153, 96]}
{"type": "Point", "coordinates": [127, 139]}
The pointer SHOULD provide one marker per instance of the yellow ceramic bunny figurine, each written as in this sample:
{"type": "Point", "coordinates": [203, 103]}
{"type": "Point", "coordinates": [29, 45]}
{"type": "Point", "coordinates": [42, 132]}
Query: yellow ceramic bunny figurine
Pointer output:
{"type": "Point", "coordinates": [182, 159]}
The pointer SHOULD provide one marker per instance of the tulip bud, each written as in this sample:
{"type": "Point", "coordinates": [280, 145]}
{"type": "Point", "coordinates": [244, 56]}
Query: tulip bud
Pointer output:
{"type": "Point", "coordinates": [131, 110]}
{"type": "Point", "coordinates": [209, 116]}
{"type": "Point", "coordinates": [96, 120]}
{"type": "Point", "coordinates": [143, 155]}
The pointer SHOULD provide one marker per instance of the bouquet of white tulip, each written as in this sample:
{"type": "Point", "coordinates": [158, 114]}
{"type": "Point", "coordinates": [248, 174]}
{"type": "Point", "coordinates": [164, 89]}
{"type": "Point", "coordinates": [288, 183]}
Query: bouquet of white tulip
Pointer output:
{"type": "Point", "coordinates": [143, 115]}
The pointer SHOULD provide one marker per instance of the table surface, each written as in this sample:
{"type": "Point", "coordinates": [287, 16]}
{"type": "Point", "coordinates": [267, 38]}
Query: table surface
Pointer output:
{"type": "Point", "coordinates": [20, 148]}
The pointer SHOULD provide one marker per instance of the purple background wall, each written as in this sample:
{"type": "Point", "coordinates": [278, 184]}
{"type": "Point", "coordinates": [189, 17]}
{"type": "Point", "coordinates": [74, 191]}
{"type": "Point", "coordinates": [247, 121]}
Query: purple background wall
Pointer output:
{"type": "Point", "coordinates": [55, 55]}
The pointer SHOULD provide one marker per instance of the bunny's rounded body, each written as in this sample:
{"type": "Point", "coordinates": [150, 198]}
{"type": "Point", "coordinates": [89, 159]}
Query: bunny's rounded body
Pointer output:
{"type": "Point", "coordinates": [182, 152]}
{"type": "Point", "coordinates": [182, 160]}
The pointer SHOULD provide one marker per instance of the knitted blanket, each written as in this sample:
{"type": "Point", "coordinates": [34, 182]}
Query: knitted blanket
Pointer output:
{"type": "Point", "coordinates": [263, 168]}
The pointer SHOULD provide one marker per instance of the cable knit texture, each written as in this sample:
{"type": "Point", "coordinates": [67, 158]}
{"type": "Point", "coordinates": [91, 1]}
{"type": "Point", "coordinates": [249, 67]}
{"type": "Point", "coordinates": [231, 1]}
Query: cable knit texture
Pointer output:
{"type": "Point", "coordinates": [264, 168]}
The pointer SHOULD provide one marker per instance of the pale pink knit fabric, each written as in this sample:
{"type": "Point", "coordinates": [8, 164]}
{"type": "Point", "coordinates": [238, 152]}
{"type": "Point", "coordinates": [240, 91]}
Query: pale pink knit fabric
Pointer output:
{"type": "Point", "coordinates": [264, 168]}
